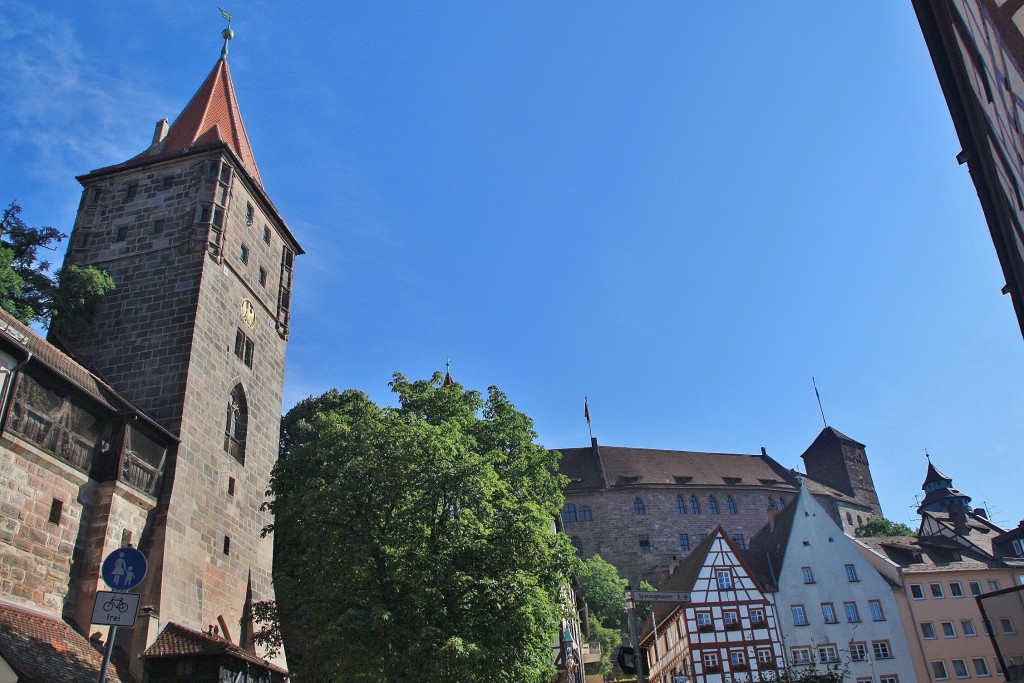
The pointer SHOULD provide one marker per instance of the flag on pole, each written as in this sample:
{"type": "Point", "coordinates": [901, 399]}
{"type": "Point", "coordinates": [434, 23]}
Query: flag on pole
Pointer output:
{"type": "Point", "coordinates": [225, 14]}
{"type": "Point", "coordinates": [586, 409]}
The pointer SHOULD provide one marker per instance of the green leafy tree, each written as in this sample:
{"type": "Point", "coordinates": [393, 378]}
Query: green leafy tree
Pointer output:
{"type": "Point", "coordinates": [28, 290]}
{"type": "Point", "coordinates": [416, 542]}
{"type": "Point", "coordinates": [604, 591]}
{"type": "Point", "coordinates": [880, 526]}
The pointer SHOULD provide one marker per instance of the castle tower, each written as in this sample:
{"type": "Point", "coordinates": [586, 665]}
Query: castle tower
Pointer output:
{"type": "Point", "coordinates": [195, 335]}
{"type": "Point", "coordinates": [939, 494]}
{"type": "Point", "coordinates": [842, 463]}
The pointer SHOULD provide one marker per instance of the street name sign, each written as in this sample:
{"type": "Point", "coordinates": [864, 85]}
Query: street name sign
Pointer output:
{"type": "Point", "coordinates": [115, 609]}
{"type": "Point", "coordinates": [655, 596]}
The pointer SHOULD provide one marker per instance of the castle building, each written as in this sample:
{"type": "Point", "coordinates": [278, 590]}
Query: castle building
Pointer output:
{"type": "Point", "coordinates": [640, 509]}
{"type": "Point", "coordinates": [171, 394]}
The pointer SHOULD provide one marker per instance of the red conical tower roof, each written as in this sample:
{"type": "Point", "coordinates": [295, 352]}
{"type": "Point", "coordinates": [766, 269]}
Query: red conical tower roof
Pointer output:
{"type": "Point", "coordinates": [212, 115]}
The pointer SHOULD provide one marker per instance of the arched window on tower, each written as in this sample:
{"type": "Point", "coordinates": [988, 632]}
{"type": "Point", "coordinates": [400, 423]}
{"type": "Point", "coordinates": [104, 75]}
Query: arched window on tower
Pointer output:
{"type": "Point", "coordinates": [584, 513]}
{"type": "Point", "coordinates": [577, 544]}
{"type": "Point", "coordinates": [712, 505]}
{"type": "Point", "coordinates": [730, 505]}
{"type": "Point", "coordinates": [771, 502]}
{"type": "Point", "coordinates": [569, 513]}
{"type": "Point", "coordinates": [849, 518]}
{"type": "Point", "coordinates": [638, 508]}
{"type": "Point", "coordinates": [694, 505]}
{"type": "Point", "coordinates": [235, 424]}
{"type": "Point", "coordinates": [680, 505]}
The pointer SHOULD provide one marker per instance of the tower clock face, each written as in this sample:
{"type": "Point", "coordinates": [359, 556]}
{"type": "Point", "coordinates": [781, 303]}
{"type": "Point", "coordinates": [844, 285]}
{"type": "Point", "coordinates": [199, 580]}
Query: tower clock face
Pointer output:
{"type": "Point", "coordinates": [248, 313]}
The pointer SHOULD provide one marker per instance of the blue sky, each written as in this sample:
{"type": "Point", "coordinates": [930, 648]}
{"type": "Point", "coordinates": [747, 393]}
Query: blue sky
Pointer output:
{"type": "Point", "coordinates": [682, 210]}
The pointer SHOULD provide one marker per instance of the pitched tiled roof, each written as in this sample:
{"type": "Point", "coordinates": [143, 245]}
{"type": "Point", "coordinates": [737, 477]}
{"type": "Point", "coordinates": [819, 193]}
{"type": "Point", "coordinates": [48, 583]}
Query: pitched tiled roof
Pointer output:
{"type": "Point", "coordinates": [212, 116]}
{"type": "Point", "coordinates": [934, 475]}
{"type": "Point", "coordinates": [44, 649]}
{"type": "Point", "coordinates": [766, 550]}
{"type": "Point", "coordinates": [47, 354]}
{"type": "Point", "coordinates": [933, 553]}
{"type": "Point", "coordinates": [650, 467]}
{"type": "Point", "coordinates": [829, 436]}
{"type": "Point", "coordinates": [176, 640]}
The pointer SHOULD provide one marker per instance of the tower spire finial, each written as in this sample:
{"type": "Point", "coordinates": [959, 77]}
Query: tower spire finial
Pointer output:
{"type": "Point", "coordinates": [448, 381]}
{"type": "Point", "coordinates": [227, 34]}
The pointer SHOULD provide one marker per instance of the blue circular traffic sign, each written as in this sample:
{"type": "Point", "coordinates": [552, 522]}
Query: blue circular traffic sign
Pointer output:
{"type": "Point", "coordinates": [124, 569]}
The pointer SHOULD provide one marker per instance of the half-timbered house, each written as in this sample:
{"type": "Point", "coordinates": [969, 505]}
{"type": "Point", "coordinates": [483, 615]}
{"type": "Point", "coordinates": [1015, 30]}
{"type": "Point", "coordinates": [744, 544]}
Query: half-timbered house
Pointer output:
{"type": "Point", "coordinates": [727, 629]}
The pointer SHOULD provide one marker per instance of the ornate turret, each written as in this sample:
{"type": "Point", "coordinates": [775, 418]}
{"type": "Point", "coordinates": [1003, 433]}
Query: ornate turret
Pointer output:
{"type": "Point", "coordinates": [939, 492]}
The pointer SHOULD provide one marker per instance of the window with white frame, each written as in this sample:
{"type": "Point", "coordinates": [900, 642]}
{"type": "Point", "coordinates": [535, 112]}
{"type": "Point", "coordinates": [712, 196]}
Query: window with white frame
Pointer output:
{"type": "Point", "coordinates": [858, 652]}
{"type": "Point", "coordinates": [756, 616]}
{"type": "Point", "coordinates": [876, 610]}
{"type": "Point", "coordinates": [828, 654]}
{"type": "Point", "coordinates": [724, 579]}
{"type": "Point", "coordinates": [955, 589]}
{"type": "Point", "coordinates": [801, 655]}
{"type": "Point", "coordinates": [936, 589]}
{"type": "Point", "coordinates": [928, 630]}
{"type": "Point", "coordinates": [939, 672]}
{"type": "Point", "coordinates": [975, 588]}
{"type": "Point", "coordinates": [730, 618]}
{"type": "Point", "coordinates": [889, 679]}
{"type": "Point", "coordinates": [710, 661]}
{"type": "Point", "coordinates": [703, 619]}
{"type": "Point", "coordinates": [881, 649]}
{"type": "Point", "coordinates": [947, 630]}
{"type": "Point", "coordinates": [807, 574]}
{"type": "Point", "coordinates": [980, 667]}
{"type": "Point", "coordinates": [851, 573]}
{"type": "Point", "coordinates": [799, 615]}
{"type": "Point", "coordinates": [967, 626]}
{"type": "Point", "coordinates": [764, 657]}
{"type": "Point", "coordinates": [960, 668]}
{"type": "Point", "coordinates": [916, 591]}
{"type": "Point", "coordinates": [1007, 625]}
{"type": "Point", "coordinates": [737, 658]}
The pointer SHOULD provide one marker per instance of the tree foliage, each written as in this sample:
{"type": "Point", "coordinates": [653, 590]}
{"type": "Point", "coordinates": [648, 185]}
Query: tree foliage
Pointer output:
{"type": "Point", "coordinates": [28, 290]}
{"type": "Point", "coordinates": [416, 542]}
{"type": "Point", "coordinates": [604, 592]}
{"type": "Point", "coordinates": [880, 526]}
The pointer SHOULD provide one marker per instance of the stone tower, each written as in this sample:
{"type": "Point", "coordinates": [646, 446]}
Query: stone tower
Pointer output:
{"type": "Point", "coordinates": [195, 335]}
{"type": "Point", "coordinates": [842, 463]}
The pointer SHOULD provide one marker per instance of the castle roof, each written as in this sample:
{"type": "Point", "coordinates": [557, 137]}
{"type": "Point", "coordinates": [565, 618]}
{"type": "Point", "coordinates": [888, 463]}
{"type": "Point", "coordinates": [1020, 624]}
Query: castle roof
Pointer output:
{"type": "Point", "coordinates": [643, 467]}
{"type": "Point", "coordinates": [829, 436]}
{"type": "Point", "coordinates": [41, 647]}
{"type": "Point", "coordinates": [211, 116]}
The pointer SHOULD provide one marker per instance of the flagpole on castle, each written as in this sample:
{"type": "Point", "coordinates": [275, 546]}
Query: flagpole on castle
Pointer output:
{"type": "Point", "coordinates": [586, 414]}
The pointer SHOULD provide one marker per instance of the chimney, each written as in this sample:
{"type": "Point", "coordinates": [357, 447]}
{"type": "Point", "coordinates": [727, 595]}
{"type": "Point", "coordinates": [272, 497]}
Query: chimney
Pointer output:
{"type": "Point", "coordinates": [593, 442]}
{"type": "Point", "coordinates": [958, 514]}
{"type": "Point", "coordinates": [161, 131]}
{"type": "Point", "coordinates": [764, 452]}
{"type": "Point", "coordinates": [980, 512]}
{"type": "Point", "coordinates": [771, 517]}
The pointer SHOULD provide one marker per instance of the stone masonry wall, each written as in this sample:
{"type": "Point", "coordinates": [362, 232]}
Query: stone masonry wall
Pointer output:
{"type": "Point", "coordinates": [615, 529]}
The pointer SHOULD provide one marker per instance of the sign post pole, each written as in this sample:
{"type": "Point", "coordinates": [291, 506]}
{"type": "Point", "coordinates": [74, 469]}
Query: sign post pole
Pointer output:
{"type": "Point", "coordinates": [634, 641]}
{"type": "Point", "coordinates": [107, 652]}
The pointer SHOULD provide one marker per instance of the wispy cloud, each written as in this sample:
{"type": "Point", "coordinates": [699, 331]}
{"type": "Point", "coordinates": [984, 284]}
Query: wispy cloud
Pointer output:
{"type": "Point", "coordinates": [61, 113]}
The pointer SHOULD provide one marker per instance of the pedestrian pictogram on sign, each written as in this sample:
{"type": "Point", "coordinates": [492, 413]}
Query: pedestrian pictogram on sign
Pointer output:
{"type": "Point", "coordinates": [124, 569]}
